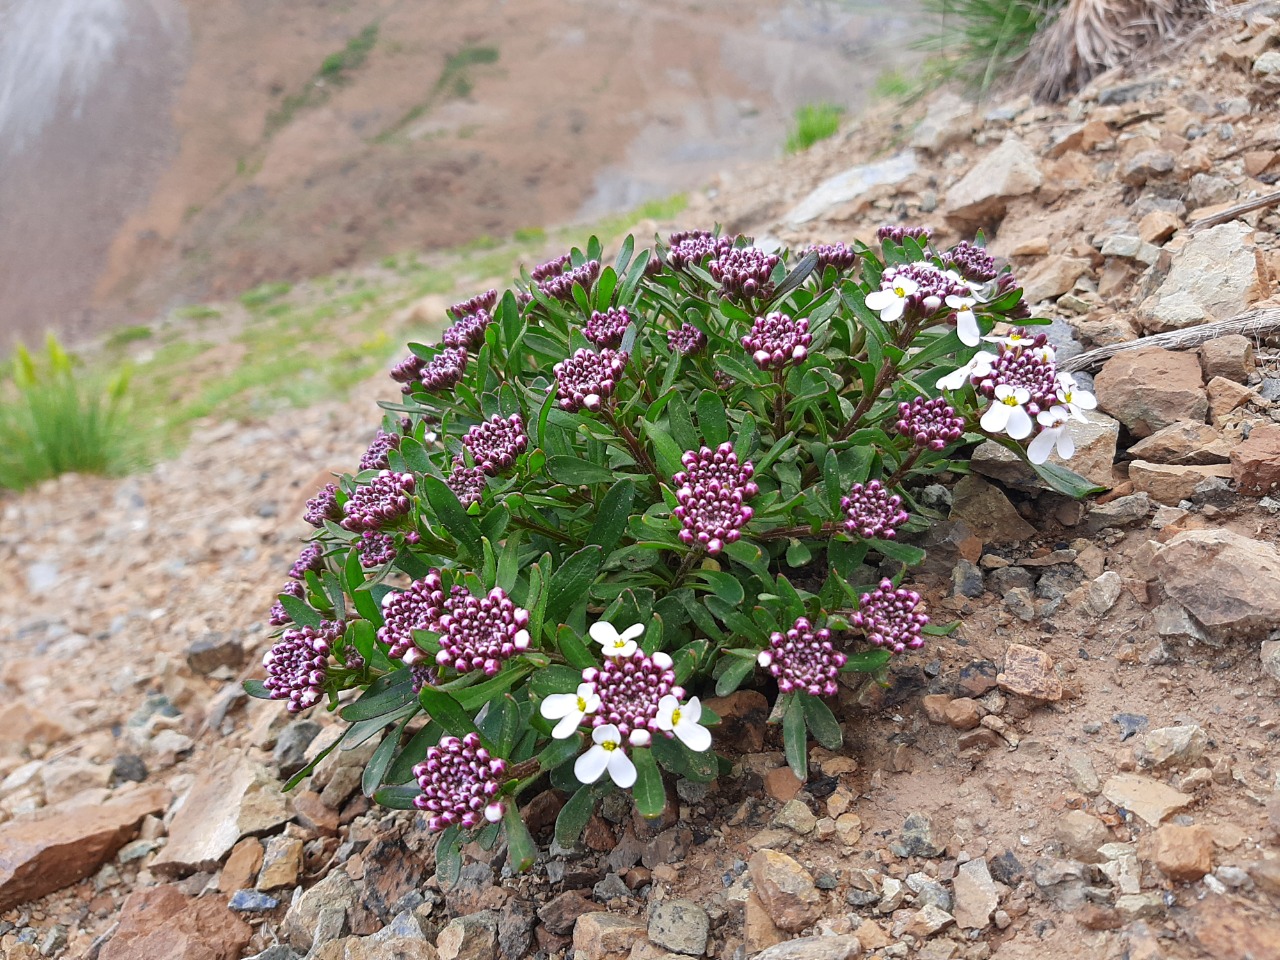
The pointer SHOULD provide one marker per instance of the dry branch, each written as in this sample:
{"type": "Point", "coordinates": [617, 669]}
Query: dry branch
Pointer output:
{"type": "Point", "coordinates": [1258, 324]}
{"type": "Point", "coordinates": [1225, 216]}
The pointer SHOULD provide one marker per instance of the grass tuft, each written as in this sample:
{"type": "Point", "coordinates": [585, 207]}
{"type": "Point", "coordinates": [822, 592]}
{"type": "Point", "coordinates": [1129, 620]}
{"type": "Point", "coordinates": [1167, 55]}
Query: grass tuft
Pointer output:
{"type": "Point", "coordinates": [982, 41]}
{"type": "Point", "coordinates": [814, 122]}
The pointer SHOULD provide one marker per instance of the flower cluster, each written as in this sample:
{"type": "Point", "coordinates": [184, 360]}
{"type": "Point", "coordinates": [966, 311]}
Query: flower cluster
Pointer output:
{"type": "Point", "coordinates": [836, 255]}
{"type": "Point", "coordinates": [495, 445]}
{"type": "Point", "coordinates": [459, 780]}
{"type": "Point", "coordinates": [408, 371]}
{"type": "Point", "coordinates": [444, 371]}
{"type": "Point", "coordinates": [712, 492]}
{"type": "Point", "coordinates": [481, 301]}
{"type": "Point", "coordinates": [686, 339]}
{"type": "Point", "coordinates": [896, 234]}
{"type": "Point", "coordinates": [777, 340]}
{"type": "Point", "coordinates": [694, 246]}
{"type": "Point", "coordinates": [872, 512]}
{"type": "Point", "coordinates": [467, 332]}
{"type": "Point", "coordinates": [972, 262]}
{"type": "Point", "coordinates": [743, 273]}
{"type": "Point", "coordinates": [467, 483]}
{"type": "Point", "coordinates": [552, 268]}
{"type": "Point", "coordinates": [375, 457]}
{"type": "Point", "coordinates": [559, 285]}
{"type": "Point", "coordinates": [585, 380]}
{"type": "Point", "coordinates": [608, 328]}
{"type": "Point", "coordinates": [279, 616]}
{"type": "Point", "coordinates": [803, 658]}
{"type": "Point", "coordinates": [919, 289]}
{"type": "Point", "coordinates": [929, 423]}
{"type": "Point", "coordinates": [417, 608]}
{"type": "Point", "coordinates": [383, 500]}
{"type": "Point", "coordinates": [311, 558]}
{"type": "Point", "coordinates": [323, 506]}
{"type": "Point", "coordinates": [889, 619]}
{"type": "Point", "coordinates": [479, 633]}
{"type": "Point", "coordinates": [375, 548]}
{"type": "Point", "coordinates": [297, 665]}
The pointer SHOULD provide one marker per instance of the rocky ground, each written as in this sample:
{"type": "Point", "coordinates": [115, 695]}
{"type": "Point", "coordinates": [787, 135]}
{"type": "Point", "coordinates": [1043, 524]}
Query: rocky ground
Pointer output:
{"type": "Point", "coordinates": [1086, 768]}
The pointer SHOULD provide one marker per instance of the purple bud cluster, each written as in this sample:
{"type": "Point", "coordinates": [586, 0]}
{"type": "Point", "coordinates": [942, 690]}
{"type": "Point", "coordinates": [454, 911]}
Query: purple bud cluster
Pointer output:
{"type": "Point", "coordinates": [459, 780]}
{"type": "Point", "coordinates": [1005, 285]}
{"type": "Point", "coordinates": [494, 445]}
{"type": "Point", "coordinates": [686, 339]}
{"type": "Point", "coordinates": [694, 246]}
{"type": "Point", "coordinates": [323, 506]}
{"type": "Point", "coordinates": [467, 332]}
{"type": "Point", "coordinates": [467, 483]}
{"type": "Point", "coordinates": [1028, 364]}
{"type": "Point", "coordinates": [279, 616]}
{"type": "Point", "coordinates": [421, 675]}
{"type": "Point", "coordinates": [375, 548]}
{"type": "Point", "coordinates": [971, 261]}
{"type": "Point", "coordinates": [443, 372]}
{"type": "Point", "coordinates": [298, 664]}
{"type": "Point", "coordinates": [836, 255]}
{"type": "Point", "coordinates": [375, 457]}
{"type": "Point", "coordinates": [408, 372]}
{"type": "Point", "coordinates": [479, 633]}
{"type": "Point", "coordinates": [417, 608]}
{"type": "Point", "coordinates": [804, 659]}
{"type": "Point", "coordinates": [929, 423]}
{"type": "Point", "coordinates": [743, 273]}
{"type": "Point", "coordinates": [586, 380]}
{"type": "Point", "coordinates": [552, 268]}
{"type": "Point", "coordinates": [311, 558]}
{"type": "Point", "coordinates": [385, 499]}
{"type": "Point", "coordinates": [889, 619]}
{"type": "Point", "coordinates": [896, 234]}
{"type": "Point", "coordinates": [776, 341]}
{"type": "Point", "coordinates": [560, 286]}
{"type": "Point", "coordinates": [872, 512]}
{"type": "Point", "coordinates": [630, 689]}
{"type": "Point", "coordinates": [712, 491]}
{"type": "Point", "coordinates": [607, 329]}
{"type": "Point", "coordinates": [481, 301]}
{"type": "Point", "coordinates": [933, 285]}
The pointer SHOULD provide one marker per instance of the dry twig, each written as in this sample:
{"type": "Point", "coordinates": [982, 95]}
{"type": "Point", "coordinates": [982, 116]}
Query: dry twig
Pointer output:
{"type": "Point", "coordinates": [1258, 324]}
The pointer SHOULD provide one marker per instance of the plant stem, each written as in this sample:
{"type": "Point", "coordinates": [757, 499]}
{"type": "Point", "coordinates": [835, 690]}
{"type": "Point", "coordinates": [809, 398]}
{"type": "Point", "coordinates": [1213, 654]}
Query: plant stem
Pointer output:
{"type": "Point", "coordinates": [687, 565]}
{"type": "Point", "coordinates": [535, 527]}
{"type": "Point", "coordinates": [780, 405]}
{"type": "Point", "coordinates": [637, 449]}
{"type": "Point", "coordinates": [786, 533]}
{"type": "Point", "coordinates": [903, 467]}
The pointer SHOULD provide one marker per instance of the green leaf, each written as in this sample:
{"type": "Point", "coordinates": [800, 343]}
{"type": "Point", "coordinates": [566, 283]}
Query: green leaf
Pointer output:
{"type": "Point", "coordinates": [399, 797]}
{"type": "Point", "coordinates": [735, 671]}
{"type": "Point", "coordinates": [256, 689]}
{"type": "Point", "coordinates": [536, 598]}
{"type": "Point", "coordinates": [501, 723]}
{"type": "Point", "coordinates": [680, 760]}
{"type": "Point", "coordinates": [509, 562]}
{"type": "Point", "coordinates": [902, 552]}
{"type": "Point", "coordinates": [711, 418]}
{"type": "Point", "coordinates": [667, 451]}
{"type": "Point", "coordinates": [559, 752]}
{"type": "Point", "coordinates": [796, 276]}
{"type": "Point", "coordinates": [832, 482]}
{"type": "Point", "coordinates": [569, 583]}
{"type": "Point", "coordinates": [451, 513]}
{"type": "Point", "coordinates": [821, 721]}
{"type": "Point", "coordinates": [574, 815]}
{"type": "Point", "coordinates": [521, 850]}
{"type": "Point", "coordinates": [299, 611]}
{"type": "Point", "coordinates": [574, 650]}
{"type": "Point", "coordinates": [795, 737]}
{"type": "Point", "coordinates": [612, 517]}
{"type": "Point", "coordinates": [447, 712]}
{"type": "Point", "coordinates": [449, 857]}
{"type": "Point", "coordinates": [648, 791]}
{"type": "Point", "coordinates": [682, 430]}
{"type": "Point", "coordinates": [868, 661]}
{"type": "Point", "coordinates": [377, 702]}
{"type": "Point", "coordinates": [375, 770]}
{"type": "Point", "coordinates": [725, 586]}
{"type": "Point", "coordinates": [555, 679]}
{"type": "Point", "coordinates": [1066, 481]}
{"type": "Point", "coordinates": [575, 471]}
{"type": "Point", "coordinates": [750, 556]}
{"type": "Point", "coordinates": [413, 753]}
{"type": "Point", "coordinates": [478, 694]}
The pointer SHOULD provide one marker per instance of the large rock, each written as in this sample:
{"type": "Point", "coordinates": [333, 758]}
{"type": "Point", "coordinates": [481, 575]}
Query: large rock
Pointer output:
{"type": "Point", "coordinates": [473, 937]}
{"type": "Point", "coordinates": [785, 889]}
{"type": "Point", "coordinates": [1149, 388]}
{"type": "Point", "coordinates": [233, 798]}
{"type": "Point", "coordinates": [1029, 672]}
{"type": "Point", "coordinates": [335, 894]}
{"type": "Point", "coordinates": [851, 184]}
{"type": "Point", "coordinates": [1230, 356]}
{"type": "Point", "coordinates": [681, 926]}
{"type": "Point", "coordinates": [1255, 464]}
{"type": "Point", "coordinates": [1184, 442]}
{"type": "Point", "coordinates": [163, 922]}
{"type": "Point", "coordinates": [598, 936]}
{"type": "Point", "coordinates": [1051, 277]}
{"type": "Point", "coordinates": [1183, 853]}
{"type": "Point", "coordinates": [68, 842]}
{"type": "Point", "coordinates": [1213, 277]}
{"type": "Point", "coordinates": [1230, 584]}
{"type": "Point", "coordinates": [983, 194]}
{"type": "Point", "coordinates": [948, 119]}
{"type": "Point", "coordinates": [1170, 484]}
{"type": "Point", "coordinates": [988, 512]}
{"type": "Point", "coordinates": [1150, 800]}
{"type": "Point", "coordinates": [975, 895]}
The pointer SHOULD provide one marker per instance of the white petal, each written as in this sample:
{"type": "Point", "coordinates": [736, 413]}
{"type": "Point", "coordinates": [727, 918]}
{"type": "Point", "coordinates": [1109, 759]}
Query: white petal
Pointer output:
{"type": "Point", "coordinates": [694, 736]}
{"type": "Point", "coordinates": [906, 285]}
{"type": "Point", "coordinates": [880, 299]}
{"type": "Point", "coordinates": [1084, 400]}
{"type": "Point", "coordinates": [559, 705]}
{"type": "Point", "coordinates": [997, 415]}
{"type": "Point", "coordinates": [603, 633]}
{"type": "Point", "coordinates": [967, 328]}
{"type": "Point", "coordinates": [662, 660]}
{"type": "Point", "coordinates": [892, 312]}
{"type": "Point", "coordinates": [567, 725]}
{"type": "Point", "coordinates": [954, 380]}
{"type": "Point", "coordinates": [1020, 425]}
{"type": "Point", "coordinates": [1066, 444]}
{"type": "Point", "coordinates": [621, 769]}
{"type": "Point", "coordinates": [666, 709]}
{"type": "Point", "coordinates": [606, 733]}
{"type": "Point", "coordinates": [1039, 448]}
{"type": "Point", "coordinates": [588, 767]}
{"type": "Point", "coordinates": [632, 632]}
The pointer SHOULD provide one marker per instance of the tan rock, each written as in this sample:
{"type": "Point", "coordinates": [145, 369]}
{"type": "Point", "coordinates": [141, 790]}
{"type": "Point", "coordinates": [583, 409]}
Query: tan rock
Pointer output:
{"type": "Point", "coordinates": [1081, 834]}
{"type": "Point", "coordinates": [786, 890]}
{"type": "Point", "coordinates": [974, 894]}
{"type": "Point", "coordinates": [1095, 453]}
{"type": "Point", "coordinates": [828, 947]}
{"type": "Point", "coordinates": [1148, 799]}
{"type": "Point", "coordinates": [281, 864]}
{"type": "Point", "coordinates": [1227, 395]}
{"type": "Point", "coordinates": [983, 194]}
{"type": "Point", "coordinates": [475, 937]}
{"type": "Point", "coordinates": [1255, 463]}
{"type": "Point", "coordinates": [1214, 276]}
{"type": "Point", "coordinates": [758, 929]}
{"type": "Point", "coordinates": [162, 922]}
{"type": "Point", "coordinates": [849, 828]}
{"type": "Point", "coordinates": [601, 935]}
{"type": "Point", "coordinates": [242, 866]}
{"type": "Point", "coordinates": [1169, 483]}
{"type": "Point", "coordinates": [988, 512]}
{"type": "Point", "coordinates": [1229, 583]}
{"type": "Point", "coordinates": [964, 713]}
{"type": "Point", "coordinates": [1149, 388]}
{"type": "Point", "coordinates": [935, 707]}
{"type": "Point", "coordinates": [1184, 442]}
{"type": "Point", "coordinates": [1052, 277]}
{"type": "Point", "coordinates": [1183, 854]}
{"type": "Point", "coordinates": [23, 726]}
{"type": "Point", "coordinates": [1158, 226]}
{"type": "Point", "coordinates": [1029, 673]}
{"type": "Point", "coordinates": [1230, 357]}
{"type": "Point", "coordinates": [68, 842]}
{"type": "Point", "coordinates": [781, 784]}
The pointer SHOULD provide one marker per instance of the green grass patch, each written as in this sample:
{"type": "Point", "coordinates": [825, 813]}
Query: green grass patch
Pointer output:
{"type": "Point", "coordinates": [334, 71]}
{"type": "Point", "coordinates": [813, 122]}
{"type": "Point", "coordinates": [264, 293]}
{"type": "Point", "coordinates": [197, 311]}
{"type": "Point", "coordinates": [127, 335]}
{"type": "Point", "coordinates": [980, 41]}
{"type": "Point", "coordinates": [455, 80]}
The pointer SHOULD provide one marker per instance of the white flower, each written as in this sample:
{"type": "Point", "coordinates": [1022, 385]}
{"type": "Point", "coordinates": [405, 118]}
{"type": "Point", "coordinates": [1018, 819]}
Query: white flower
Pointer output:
{"type": "Point", "coordinates": [979, 366]}
{"type": "Point", "coordinates": [606, 754]}
{"type": "Point", "coordinates": [1017, 337]}
{"type": "Point", "coordinates": [1074, 399]}
{"type": "Point", "coordinates": [1006, 413]}
{"type": "Point", "coordinates": [682, 720]}
{"type": "Point", "coordinates": [1053, 433]}
{"type": "Point", "coordinates": [891, 302]}
{"type": "Point", "coordinates": [570, 709]}
{"type": "Point", "coordinates": [613, 643]}
{"type": "Point", "coordinates": [966, 320]}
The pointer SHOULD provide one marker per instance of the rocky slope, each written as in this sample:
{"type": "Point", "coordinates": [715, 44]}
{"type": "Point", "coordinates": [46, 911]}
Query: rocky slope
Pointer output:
{"type": "Point", "coordinates": [1086, 768]}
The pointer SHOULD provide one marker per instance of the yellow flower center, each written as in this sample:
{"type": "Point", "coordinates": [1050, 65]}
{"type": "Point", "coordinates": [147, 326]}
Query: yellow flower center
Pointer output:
{"type": "Point", "coordinates": [1010, 401]}
{"type": "Point", "coordinates": [900, 291]}
{"type": "Point", "coordinates": [675, 717]}
{"type": "Point", "coordinates": [582, 705]}
{"type": "Point", "coordinates": [610, 745]}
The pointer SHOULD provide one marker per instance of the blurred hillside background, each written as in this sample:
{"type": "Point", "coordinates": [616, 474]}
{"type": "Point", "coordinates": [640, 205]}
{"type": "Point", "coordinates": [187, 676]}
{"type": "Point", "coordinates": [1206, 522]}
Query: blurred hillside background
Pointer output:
{"type": "Point", "coordinates": [160, 153]}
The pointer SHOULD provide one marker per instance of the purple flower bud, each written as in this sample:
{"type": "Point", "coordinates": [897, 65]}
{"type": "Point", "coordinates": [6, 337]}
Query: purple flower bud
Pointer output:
{"type": "Point", "coordinates": [443, 372]}
{"type": "Point", "coordinates": [479, 633]}
{"type": "Point", "coordinates": [871, 512]}
{"type": "Point", "coordinates": [407, 372]}
{"type": "Point", "coordinates": [556, 278]}
{"type": "Point", "coordinates": [375, 548]}
{"type": "Point", "coordinates": [323, 506]}
{"type": "Point", "coordinates": [933, 286]}
{"type": "Point", "coordinates": [929, 423]}
{"type": "Point", "coordinates": [586, 380]}
{"type": "Point", "coordinates": [459, 781]}
{"type": "Point", "coordinates": [743, 273]}
{"type": "Point", "coordinates": [888, 617]}
{"type": "Point", "coordinates": [417, 608]}
{"type": "Point", "coordinates": [481, 301]}
{"type": "Point", "coordinates": [971, 262]}
{"type": "Point", "coordinates": [375, 458]}
{"type": "Point", "coordinates": [421, 675]}
{"type": "Point", "coordinates": [897, 234]}
{"type": "Point", "coordinates": [686, 339]}
{"type": "Point", "coordinates": [804, 659]}
{"type": "Point", "coordinates": [297, 666]}
{"type": "Point", "coordinates": [832, 255]}
{"type": "Point", "coordinates": [630, 689]}
{"type": "Point", "coordinates": [311, 558]}
{"type": "Point", "coordinates": [694, 246]}
{"type": "Point", "coordinates": [467, 331]}
{"type": "Point", "coordinates": [776, 341]}
{"type": "Point", "coordinates": [1005, 285]}
{"type": "Point", "coordinates": [280, 616]}
{"type": "Point", "coordinates": [1028, 365]}
{"type": "Point", "coordinates": [380, 502]}
{"type": "Point", "coordinates": [467, 483]}
{"type": "Point", "coordinates": [607, 329]}
{"type": "Point", "coordinates": [495, 445]}
{"type": "Point", "coordinates": [552, 268]}
{"type": "Point", "coordinates": [712, 492]}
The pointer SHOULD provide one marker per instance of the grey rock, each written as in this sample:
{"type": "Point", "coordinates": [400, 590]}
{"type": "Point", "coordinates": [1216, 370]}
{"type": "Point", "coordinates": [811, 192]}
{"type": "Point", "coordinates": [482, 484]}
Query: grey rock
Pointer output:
{"type": "Point", "coordinates": [851, 184]}
{"type": "Point", "coordinates": [928, 890]}
{"type": "Point", "coordinates": [611, 887]}
{"type": "Point", "coordinates": [252, 901]}
{"type": "Point", "coordinates": [42, 576]}
{"type": "Point", "coordinates": [841, 947]}
{"type": "Point", "coordinates": [982, 195]}
{"type": "Point", "coordinates": [1011, 578]}
{"type": "Point", "coordinates": [1213, 277]}
{"type": "Point", "coordinates": [1268, 65]}
{"type": "Point", "coordinates": [215, 650]}
{"type": "Point", "coordinates": [1020, 603]}
{"type": "Point", "coordinates": [1147, 165]}
{"type": "Point", "coordinates": [1270, 653]}
{"type": "Point", "coordinates": [680, 925]}
{"type": "Point", "coordinates": [1207, 190]}
{"type": "Point", "coordinates": [515, 929]}
{"type": "Point", "coordinates": [278, 952]}
{"type": "Point", "coordinates": [967, 580]}
{"type": "Point", "coordinates": [473, 937]}
{"type": "Point", "coordinates": [1120, 512]}
{"type": "Point", "coordinates": [128, 767]}
{"type": "Point", "coordinates": [892, 893]}
{"type": "Point", "coordinates": [290, 754]}
{"type": "Point", "coordinates": [335, 894]}
{"type": "Point", "coordinates": [1104, 592]}
{"type": "Point", "coordinates": [1174, 623]}
{"type": "Point", "coordinates": [1062, 881]}
{"type": "Point", "coordinates": [796, 815]}
{"type": "Point", "coordinates": [916, 838]}
{"type": "Point", "coordinates": [1081, 773]}
{"type": "Point", "coordinates": [1172, 747]}
{"type": "Point", "coordinates": [1130, 724]}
